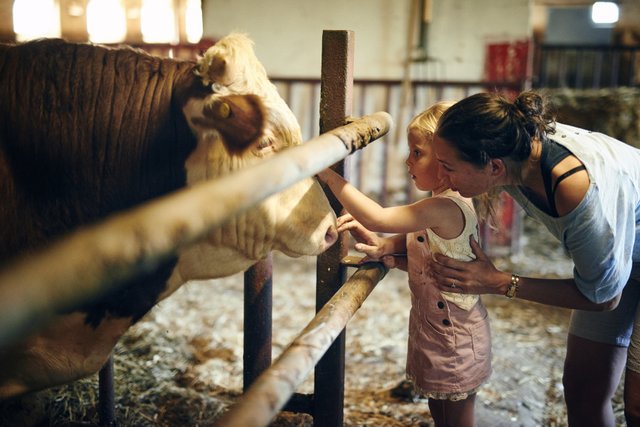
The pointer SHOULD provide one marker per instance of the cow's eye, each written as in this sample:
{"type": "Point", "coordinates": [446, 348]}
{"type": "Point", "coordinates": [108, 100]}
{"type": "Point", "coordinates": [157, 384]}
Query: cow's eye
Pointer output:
{"type": "Point", "coordinates": [265, 147]}
{"type": "Point", "coordinates": [265, 142]}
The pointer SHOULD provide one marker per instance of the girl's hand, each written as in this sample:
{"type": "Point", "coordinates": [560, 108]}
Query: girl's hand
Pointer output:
{"type": "Point", "coordinates": [324, 174]}
{"type": "Point", "coordinates": [375, 248]}
{"type": "Point", "coordinates": [369, 242]}
{"type": "Point", "coordinates": [395, 261]}
{"type": "Point", "coordinates": [470, 277]}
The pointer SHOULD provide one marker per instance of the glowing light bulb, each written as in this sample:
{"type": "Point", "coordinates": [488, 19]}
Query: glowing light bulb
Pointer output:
{"type": "Point", "coordinates": [604, 12]}
{"type": "Point", "coordinates": [193, 21]}
{"type": "Point", "coordinates": [158, 22]}
{"type": "Point", "coordinates": [33, 19]}
{"type": "Point", "coordinates": [106, 21]}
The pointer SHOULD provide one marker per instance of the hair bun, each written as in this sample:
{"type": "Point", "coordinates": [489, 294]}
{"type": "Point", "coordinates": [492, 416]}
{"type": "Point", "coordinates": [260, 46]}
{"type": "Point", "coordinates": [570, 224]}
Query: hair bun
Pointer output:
{"type": "Point", "coordinates": [530, 104]}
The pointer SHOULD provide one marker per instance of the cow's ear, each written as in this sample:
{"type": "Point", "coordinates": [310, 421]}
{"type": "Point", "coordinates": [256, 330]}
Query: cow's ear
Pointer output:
{"type": "Point", "coordinates": [212, 69]}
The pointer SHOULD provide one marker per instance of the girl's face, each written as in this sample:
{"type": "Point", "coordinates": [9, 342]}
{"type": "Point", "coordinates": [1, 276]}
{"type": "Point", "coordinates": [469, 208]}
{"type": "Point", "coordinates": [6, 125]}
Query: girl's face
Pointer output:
{"type": "Point", "coordinates": [421, 162]}
{"type": "Point", "coordinates": [461, 176]}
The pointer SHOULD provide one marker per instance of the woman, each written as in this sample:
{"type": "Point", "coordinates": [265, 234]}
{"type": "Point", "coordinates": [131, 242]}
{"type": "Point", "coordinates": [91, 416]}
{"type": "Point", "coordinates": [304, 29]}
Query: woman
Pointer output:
{"type": "Point", "coordinates": [585, 188]}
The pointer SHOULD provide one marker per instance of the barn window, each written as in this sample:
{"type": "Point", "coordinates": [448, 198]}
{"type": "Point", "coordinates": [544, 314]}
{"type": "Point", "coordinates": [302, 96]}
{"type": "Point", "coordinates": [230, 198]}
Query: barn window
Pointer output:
{"type": "Point", "coordinates": [106, 21]}
{"type": "Point", "coordinates": [33, 19]}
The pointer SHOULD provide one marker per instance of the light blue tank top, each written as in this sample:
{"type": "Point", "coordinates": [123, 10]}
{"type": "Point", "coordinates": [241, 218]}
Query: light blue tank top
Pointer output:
{"type": "Point", "coordinates": [602, 235]}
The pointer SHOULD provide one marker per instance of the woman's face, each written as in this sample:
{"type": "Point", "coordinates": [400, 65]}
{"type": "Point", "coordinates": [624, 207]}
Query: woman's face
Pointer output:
{"type": "Point", "coordinates": [461, 176]}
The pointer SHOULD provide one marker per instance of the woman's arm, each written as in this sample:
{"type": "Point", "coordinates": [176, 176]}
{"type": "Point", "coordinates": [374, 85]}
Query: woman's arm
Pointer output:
{"type": "Point", "coordinates": [431, 213]}
{"type": "Point", "coordinates": [481, 277]}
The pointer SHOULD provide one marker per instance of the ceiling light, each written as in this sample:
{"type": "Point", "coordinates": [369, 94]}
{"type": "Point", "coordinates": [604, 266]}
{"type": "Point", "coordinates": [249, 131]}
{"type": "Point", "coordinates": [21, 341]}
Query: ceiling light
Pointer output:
{"type": "Point", "coordinates": [604, 12]}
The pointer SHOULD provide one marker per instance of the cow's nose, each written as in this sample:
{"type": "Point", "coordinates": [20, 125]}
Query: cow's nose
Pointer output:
{"type": "Point", "coordinates": [331, 236]}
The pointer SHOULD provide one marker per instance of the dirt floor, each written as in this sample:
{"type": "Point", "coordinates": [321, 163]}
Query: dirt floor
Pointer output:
{"type": "Point", "coordinates": [182, 365]}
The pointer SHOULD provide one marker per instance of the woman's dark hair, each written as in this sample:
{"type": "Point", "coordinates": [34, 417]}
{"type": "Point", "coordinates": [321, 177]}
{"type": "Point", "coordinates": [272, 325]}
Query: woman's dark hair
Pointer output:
{"type": "Point", "coordinates": [488, 126]}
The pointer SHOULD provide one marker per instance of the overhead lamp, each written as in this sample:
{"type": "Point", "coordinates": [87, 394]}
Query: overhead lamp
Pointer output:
{"type": "Point", "coordinates": [106, 21]}
{"type": "Point", "coordinates": [158, 21]}
{"type": "Point", "coordinates": [604, 12]}
{"type": "Point", "coordinates": [33, 19]}
{"type": "Point", "coordinates": [193, 21]}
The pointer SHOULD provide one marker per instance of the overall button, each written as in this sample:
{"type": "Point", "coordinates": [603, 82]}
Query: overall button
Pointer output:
{"type": "Point", "coordinates": [420, 238]}
{"type": "Point", "coordinates": [440, 304]}
{"type": "Point", "coordinates": [446, 322]}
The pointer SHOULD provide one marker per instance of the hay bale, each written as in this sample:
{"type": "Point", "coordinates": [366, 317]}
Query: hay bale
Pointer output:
{"type": "Point", "coordinates": [613, 111]}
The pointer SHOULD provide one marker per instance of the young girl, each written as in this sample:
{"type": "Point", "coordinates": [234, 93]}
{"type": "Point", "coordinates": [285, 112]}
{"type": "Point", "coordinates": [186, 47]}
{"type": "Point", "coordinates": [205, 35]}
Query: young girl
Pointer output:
{"type": "Point", "coordinates": [449, 351]}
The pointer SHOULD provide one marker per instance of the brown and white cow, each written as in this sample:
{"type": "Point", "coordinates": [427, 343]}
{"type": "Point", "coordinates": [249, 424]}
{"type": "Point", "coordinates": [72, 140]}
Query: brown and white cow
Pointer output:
{"type": "Point", "coordinates": [87, 131]}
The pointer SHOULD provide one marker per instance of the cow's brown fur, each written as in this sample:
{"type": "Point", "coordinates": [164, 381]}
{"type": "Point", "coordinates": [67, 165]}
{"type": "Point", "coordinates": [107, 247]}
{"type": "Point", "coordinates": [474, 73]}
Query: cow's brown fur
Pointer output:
{"type": "Point", "coordinates": [86, 131]}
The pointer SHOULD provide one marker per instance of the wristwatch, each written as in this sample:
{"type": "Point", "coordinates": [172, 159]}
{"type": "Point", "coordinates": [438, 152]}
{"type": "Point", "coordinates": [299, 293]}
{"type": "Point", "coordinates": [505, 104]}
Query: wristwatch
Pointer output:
{"type": "Point", "coordinates": [513, 286]}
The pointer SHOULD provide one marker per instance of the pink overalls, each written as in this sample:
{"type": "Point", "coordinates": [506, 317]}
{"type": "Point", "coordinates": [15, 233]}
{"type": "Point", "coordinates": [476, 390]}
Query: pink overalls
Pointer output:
{"type": "Point", "coordinates": [449, 351]}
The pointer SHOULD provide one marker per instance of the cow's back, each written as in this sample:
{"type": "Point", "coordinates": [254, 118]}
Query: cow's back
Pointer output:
{"type": "Point", "coordinates": [86, 131]}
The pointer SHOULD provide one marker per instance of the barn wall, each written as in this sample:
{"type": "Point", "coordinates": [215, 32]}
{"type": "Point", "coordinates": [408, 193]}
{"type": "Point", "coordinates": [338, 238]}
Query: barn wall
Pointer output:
{"type": "Point", "coordinates": [288, 33]}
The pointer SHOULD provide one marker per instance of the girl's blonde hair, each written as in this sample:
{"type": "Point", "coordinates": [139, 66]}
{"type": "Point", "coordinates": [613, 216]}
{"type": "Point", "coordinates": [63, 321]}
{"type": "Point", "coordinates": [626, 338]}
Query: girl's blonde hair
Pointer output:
{"type": "Point", "coordinates": [426, 122]}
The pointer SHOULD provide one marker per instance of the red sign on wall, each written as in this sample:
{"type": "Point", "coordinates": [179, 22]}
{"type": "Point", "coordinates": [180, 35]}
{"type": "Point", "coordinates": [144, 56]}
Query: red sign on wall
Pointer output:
{"type": "Point", "coordinates": [507, 62]}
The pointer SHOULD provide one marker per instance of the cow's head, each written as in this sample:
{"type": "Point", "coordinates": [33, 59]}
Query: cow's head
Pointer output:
{"type": "Point", "coordinates": [297, 221]}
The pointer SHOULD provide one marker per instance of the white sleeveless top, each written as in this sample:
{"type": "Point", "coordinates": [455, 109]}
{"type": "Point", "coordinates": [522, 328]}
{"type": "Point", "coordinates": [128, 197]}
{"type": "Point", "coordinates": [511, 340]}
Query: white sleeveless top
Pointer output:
{"type": "Point", "coordinates": [457, 248]}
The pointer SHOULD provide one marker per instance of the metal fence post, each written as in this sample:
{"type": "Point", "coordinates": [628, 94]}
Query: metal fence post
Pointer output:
{"type": "Point", "coordinates": [258, 305]}
{"type": "Point", "coordinates": [336, 93]}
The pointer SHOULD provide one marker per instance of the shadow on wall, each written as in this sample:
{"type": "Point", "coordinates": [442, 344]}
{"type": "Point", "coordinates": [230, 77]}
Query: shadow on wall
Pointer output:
{"type": "Point", "coordinates": [615, 112]}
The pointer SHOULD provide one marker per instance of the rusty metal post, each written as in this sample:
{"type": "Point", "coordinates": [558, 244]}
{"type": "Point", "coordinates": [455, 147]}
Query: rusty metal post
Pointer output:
{"type": "Point", "coordinates": [258, 305]}
{"type": "Point", "coordinates": [106, 395]}
{"type": "Point", "coordinates": [260, 404]}
{"type": "Point", "coordinates": [336, 94]}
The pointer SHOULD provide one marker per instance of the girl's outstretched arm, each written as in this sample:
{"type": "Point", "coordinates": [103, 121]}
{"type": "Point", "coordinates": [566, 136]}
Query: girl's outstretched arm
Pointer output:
{"type": "Point", "coordinates": [434, 213]}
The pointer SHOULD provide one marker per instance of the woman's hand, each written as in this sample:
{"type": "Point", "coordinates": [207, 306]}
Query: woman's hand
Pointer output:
{"type": "Point", "coordinates": [470, 277]}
